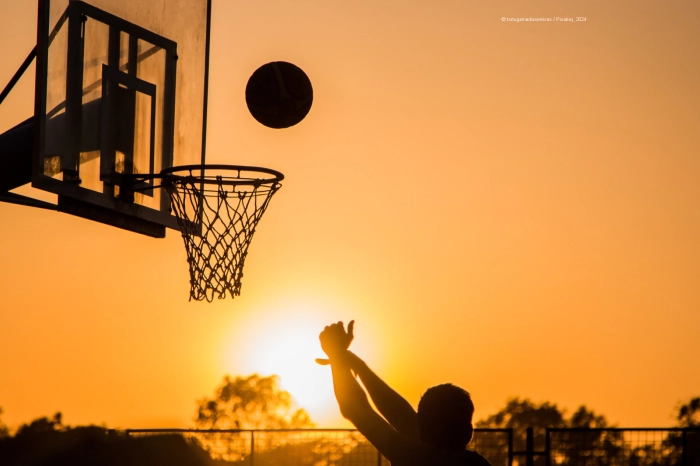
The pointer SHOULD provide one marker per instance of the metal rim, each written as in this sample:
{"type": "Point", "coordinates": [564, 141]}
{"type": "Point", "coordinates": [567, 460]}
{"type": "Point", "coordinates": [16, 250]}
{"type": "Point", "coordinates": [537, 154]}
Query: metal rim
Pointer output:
{"type": "Point", "coordinates": [173, 174]}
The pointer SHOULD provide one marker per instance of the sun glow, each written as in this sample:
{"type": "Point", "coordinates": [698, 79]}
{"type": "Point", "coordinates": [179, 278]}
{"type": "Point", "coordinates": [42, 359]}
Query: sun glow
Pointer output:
{"type": "Point", "coordinates": [286, 345]}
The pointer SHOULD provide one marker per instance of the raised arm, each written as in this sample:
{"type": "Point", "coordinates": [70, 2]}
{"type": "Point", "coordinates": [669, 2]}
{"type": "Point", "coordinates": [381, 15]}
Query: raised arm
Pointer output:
{"type": "Point", "coordinates": [390, 404]}
{"type": "Point", "coordinates": [352, 399]}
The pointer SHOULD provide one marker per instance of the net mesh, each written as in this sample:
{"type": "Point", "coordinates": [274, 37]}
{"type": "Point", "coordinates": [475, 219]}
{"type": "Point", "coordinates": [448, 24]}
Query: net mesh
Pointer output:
{"type": "Point", "coordinates": [229, 207]}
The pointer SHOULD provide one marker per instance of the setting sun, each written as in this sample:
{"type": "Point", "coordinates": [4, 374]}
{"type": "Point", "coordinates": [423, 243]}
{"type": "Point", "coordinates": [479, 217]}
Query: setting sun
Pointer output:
{"type": "Point", "coordinates": [286, 344]}
{"type": "Point", "coordinates": [289, 352]}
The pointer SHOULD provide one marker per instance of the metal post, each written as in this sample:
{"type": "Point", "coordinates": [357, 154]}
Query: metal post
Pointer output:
{"type": "Point", "coordinates": [379, 458]}
{"type": "Point", "coordinates": [684, 456]}
{"type": "Point", "coordinates": [529, 447]}
{"type": "Point", "coordinates": [70, 159]}
{"type": "Point", "coordinates": [252, 448]}
{"type": "Point", "coordinates": [27, 61]}
{"type": "Point", "coordinates": [547, 449]}
{"type": "Point", "coordinates": [510, 447]}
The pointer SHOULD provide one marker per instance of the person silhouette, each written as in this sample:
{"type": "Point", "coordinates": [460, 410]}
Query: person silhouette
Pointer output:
{"type": "Point", "coordinates": [436, 435]}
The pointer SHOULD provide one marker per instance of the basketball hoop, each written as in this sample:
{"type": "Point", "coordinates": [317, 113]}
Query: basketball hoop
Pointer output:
{"type": "Point", "coordinates": [218, 208]}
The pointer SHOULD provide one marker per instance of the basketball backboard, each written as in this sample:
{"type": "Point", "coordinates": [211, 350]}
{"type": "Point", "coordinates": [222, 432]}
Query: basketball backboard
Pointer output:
{"type": "Point", "coordinates": [121, 89]}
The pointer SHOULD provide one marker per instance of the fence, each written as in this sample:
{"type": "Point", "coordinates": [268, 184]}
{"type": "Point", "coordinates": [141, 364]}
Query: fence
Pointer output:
{"type": "Point", "coordinates": [502, 447]}
{"type": "Point", "coordinates": [634, 447]}
{"type": "Point", "coordinates": [314, 447]}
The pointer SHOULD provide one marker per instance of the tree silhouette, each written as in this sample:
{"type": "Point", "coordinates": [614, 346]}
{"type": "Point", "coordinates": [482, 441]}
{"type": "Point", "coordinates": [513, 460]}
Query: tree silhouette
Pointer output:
{"type": "Point", "coordinates": [519, 414]}
{"type": "Point", "coordinates": [688, 416]}
{"type": "Point", "coordinates": [252, 402]}
{"type": "Point", "coordinates": [689, 413]}
{"type": "Point", "coordinates": [247, 402]}
{"type": "Point", "coordinates": [47, 442]}
{"type": "Point", "coordinates": [582, 417]}
{"type": "Point", "coordinates": [4, 431]}
{"type": "Point", "coordinates": [40, 426]}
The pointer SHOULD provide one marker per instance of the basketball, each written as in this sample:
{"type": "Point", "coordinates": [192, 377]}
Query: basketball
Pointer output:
{"type": "Point", "coordinates": [279, 95]}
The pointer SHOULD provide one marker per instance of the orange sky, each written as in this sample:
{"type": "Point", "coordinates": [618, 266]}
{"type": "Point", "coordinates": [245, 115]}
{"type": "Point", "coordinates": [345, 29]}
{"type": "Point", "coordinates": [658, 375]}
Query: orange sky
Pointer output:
{"type": "Point", "coordinates": [512, 207]}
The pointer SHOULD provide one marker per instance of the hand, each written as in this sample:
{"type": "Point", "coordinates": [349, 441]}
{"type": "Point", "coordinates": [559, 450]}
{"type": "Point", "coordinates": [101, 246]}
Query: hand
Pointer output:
{"type": "Point", "coordinates": [335, 341]}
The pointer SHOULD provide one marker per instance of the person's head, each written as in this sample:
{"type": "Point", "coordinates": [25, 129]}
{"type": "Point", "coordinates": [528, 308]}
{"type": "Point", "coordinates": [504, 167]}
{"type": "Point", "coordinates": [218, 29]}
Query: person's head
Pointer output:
{"type": "Point", "coordinates": [445, 417]}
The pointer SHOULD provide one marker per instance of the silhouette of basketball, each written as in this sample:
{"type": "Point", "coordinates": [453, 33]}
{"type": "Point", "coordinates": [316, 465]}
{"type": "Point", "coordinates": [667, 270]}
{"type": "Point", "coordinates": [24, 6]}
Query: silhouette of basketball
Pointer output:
{"type": "Point", "coordinates": [279, 94]}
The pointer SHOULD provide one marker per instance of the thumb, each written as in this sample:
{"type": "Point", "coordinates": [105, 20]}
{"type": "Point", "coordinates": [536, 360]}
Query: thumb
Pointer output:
{"type": "Point", "coordinates": [351, 329]}
{"type": "Point", "coordinates": [323, 362]}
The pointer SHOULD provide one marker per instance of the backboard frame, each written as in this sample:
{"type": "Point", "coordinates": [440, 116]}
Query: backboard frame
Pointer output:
{"type": "Point", "coordinates": [106, 206]}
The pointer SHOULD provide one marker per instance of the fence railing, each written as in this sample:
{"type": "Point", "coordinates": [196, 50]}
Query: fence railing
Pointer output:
{"type": "Point", "coordinates": [314, 447]}
{"type": "Point", "coordinates": [611, 447]}
{"type": "Point", "coordinates": [502, 447]}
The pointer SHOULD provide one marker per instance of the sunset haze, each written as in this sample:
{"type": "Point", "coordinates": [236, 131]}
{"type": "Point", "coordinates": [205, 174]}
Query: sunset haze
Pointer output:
{"type": "Point", "coordinates": [512, 207]}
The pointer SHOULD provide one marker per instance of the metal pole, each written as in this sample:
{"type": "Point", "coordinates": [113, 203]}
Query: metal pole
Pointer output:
{"type": "Point", "coordinates": [547, 449]}
{"type": "Point", "coordinates": [379, 458]}
{"type": "Point", "coordinates": [252, 448]}
{"type": "Point", "coordinates": [529, 447]}
{"type": "Point", "coordinates": [510, 447]}
{"type": "Point", "coordinates": [27, 61]}
{"type": "Point", "coordinates": [684, 457]}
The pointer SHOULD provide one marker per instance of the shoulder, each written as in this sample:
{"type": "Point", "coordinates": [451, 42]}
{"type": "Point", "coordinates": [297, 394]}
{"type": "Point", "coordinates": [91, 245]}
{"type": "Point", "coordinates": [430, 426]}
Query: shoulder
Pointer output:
{"type": "Point", "coordinates": [461, 458]}
{"type": "Point", "coordinates": [472, 458]}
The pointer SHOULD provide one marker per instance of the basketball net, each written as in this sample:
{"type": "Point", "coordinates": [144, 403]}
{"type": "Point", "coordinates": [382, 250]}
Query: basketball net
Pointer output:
{"type": "Point", "coordinates": [229, 209]}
